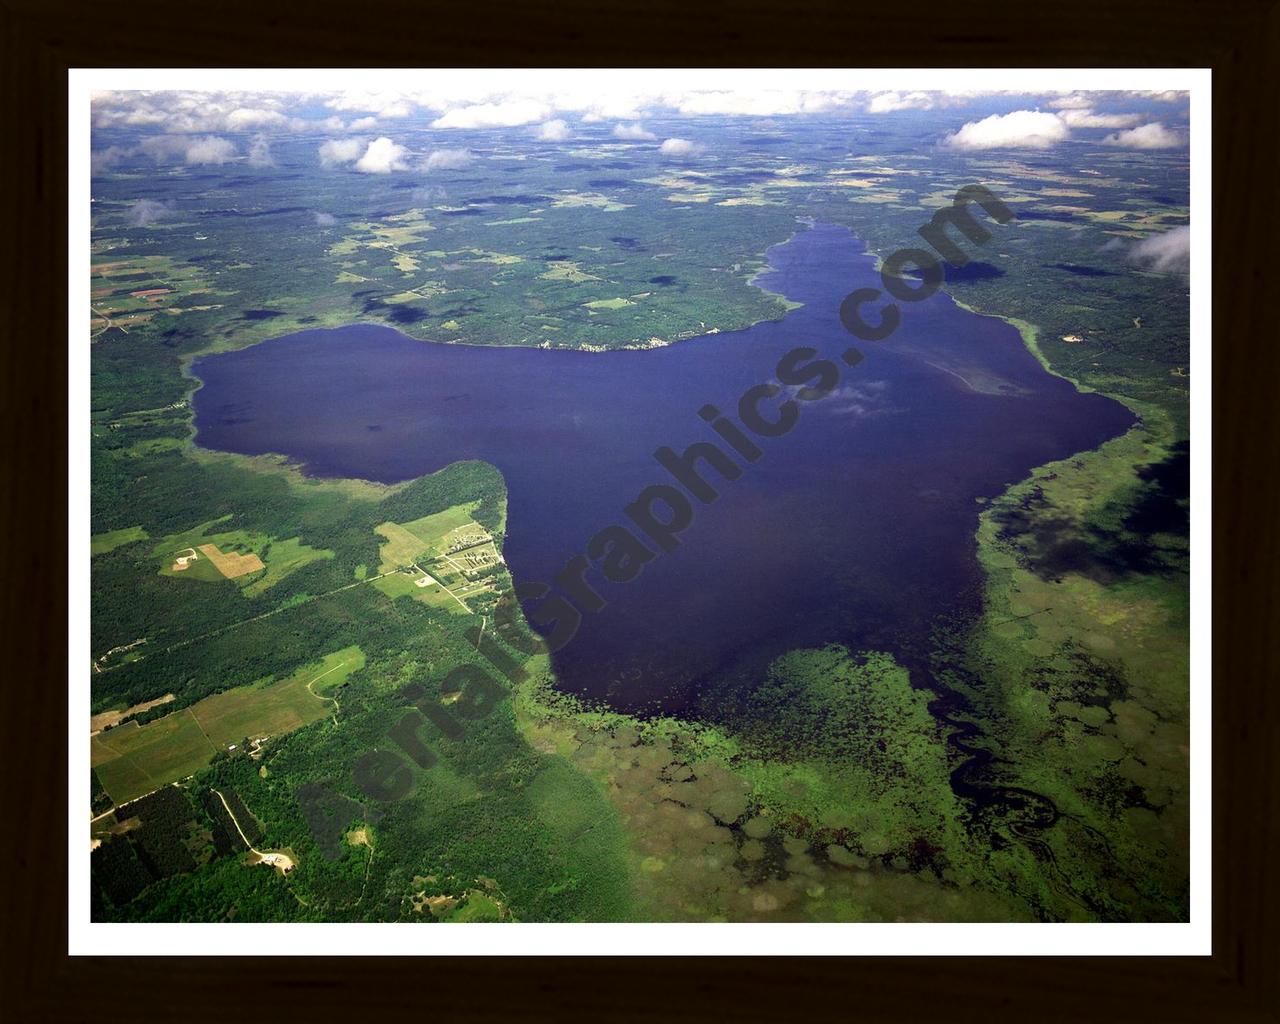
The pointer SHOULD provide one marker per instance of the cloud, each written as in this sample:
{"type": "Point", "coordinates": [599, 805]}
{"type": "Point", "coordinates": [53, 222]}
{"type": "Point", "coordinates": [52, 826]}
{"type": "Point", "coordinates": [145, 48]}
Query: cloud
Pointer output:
{"type": "Point", "coordinates": [1023, 129]}
{"type": "Point", "coordinates": [507, 114]}
{"type": "Point", "coordinates": [604, 108]}
{"type": "Point", "coordinates": [383, 104]}
{"type": "Point", "coordinates": [1149, 136]}
{"type": "Point", "coordinates": [1168, 253]}
{"type": "Point", "coordinates": [382, 157]}
{"type": "Point", "coordinates": [679, 148]}
{"type": "Point", "coordinates": [210, 150]}
{"type": "Point", "coordinates": [887, 102]}
{"type": "Point", "coordinates": [164, 147]}
{"type": "Point", "coordinates": [553, 131]}
{"type": "Point", "coordinates": [758, 103]}
{"type": "Point", "coordinates": [425, 194]}
{"type": "Point", "coordinates": [207, 150]}
{"type": "Point", "coordinates": [260, 153]}
{"type": "Point", "coordinates": [191, 111]}
{"type": "Point", "coordinates": [335, 152]}
{"type": "Point", "coordinates": [473, 101]}
{"type": "Point", "coordinates": [1086, 118]}
{"type": "Point", "coordinates": [1162, 96]}
{"type": "Point", "coordinates": [244, 118]}
{"type": "Point", "coordinates": [633, 133]}
{"type": "Point", "coordinates": [1072, 101]}
{"type": "Point", "coordinates": [104, 159]}
{"type": "Point", "coordinates": [448, 160]}
{"type": "Point", "coordinates": [146, 212]}
{"type": "Point", "coordinates": [324, 220]}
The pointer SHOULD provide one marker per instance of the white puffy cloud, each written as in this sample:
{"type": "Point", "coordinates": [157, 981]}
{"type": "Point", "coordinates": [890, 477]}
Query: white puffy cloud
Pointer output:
{"type": "Point", "coordinates": [1148, 136]}
{"type": "Point", "coordinates": [1086, 117]}
{"type": "Point", "coordinates": [1022, 129]}
{"type": "Point", "coordinates": [1168, 253]}
{"type": "Point", "coordinates": [1162, 96]}
{"type": "Point", "coordinates": [192, 112]}
{"type": "Point", "coordinates": [679, 148]}
{"type": "Point", "coordinates": [164, 147]}
{"type": "Point", "coordinates": [553, 131]}
{"type": "Point", "coordinates": [210, 150]}
{"type": "Point", "coordinates": [475, 101]}
{"type": "Point", "coordinates": [1072, 101]}
{"type": "Point", "coordinates": [146, 212]}
{"type": "Point", "coordinates": [447, 160]}
{"type": "Point", "coordinates": [104, 159]}
{"type": "Point", "coordinates": [382, 157]}
{"type": "Point", "coordinates": [335, 152]}
{"type": "Point", "coordinates": [324, 220]}
{"type": "Point", "coordinates": [428, 194]}
{"type": "Point", "coordinates": [382, 104]}
{"type": "Point", "coordinates": [757, 103]}
{"type": "Point", "coordinates": [887, 102]}
{"type": "Point", "coordinates": [507, 114]}
{"type": "Point", "coordinates": [260, 153]}
{"type": "Point", "coordinates": [243, 118]}
{"type": "Point", "coordinates": [633, 133]}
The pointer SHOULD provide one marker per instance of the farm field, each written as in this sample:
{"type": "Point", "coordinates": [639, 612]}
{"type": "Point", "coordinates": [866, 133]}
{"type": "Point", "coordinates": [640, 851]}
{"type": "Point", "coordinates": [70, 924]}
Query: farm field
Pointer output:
{"type": "Point", "coordinates": [133, 759]}
{"type": "Point", "coordinates": [436, 558]}
{"type": "Point", "coordinates": [101, 543]}
{"type": "Point", "coordinates": [130, 292]}
{"type": "Point", "coordinates": [231, 564]}
{"type": "Point", "coordinates": [255, 561]}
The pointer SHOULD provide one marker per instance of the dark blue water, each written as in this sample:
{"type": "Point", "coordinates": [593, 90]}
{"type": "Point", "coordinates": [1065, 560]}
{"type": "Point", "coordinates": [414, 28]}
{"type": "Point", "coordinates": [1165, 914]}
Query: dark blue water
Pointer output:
{"type": "Point", "coordinates": [858, 526]}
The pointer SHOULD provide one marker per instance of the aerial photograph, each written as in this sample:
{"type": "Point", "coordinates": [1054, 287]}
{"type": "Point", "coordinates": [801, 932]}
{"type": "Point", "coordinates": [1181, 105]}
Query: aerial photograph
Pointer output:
{"type": "Point", "coordinates": [633, 498]}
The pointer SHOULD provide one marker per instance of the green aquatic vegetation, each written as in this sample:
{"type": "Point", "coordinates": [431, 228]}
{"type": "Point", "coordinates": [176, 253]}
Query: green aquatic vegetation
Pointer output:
{"type": "Point", "coordinates": [710, 810]}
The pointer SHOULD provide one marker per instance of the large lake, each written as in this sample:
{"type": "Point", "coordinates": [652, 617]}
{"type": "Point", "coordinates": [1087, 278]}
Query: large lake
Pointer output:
{"type": "Point", "coordinates": [857, 527]}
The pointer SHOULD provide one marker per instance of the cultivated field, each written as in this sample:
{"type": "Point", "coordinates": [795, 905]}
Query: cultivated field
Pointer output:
{"type": "Point", "coordinates": [110, 719]}
{"type": "Point", "coordinates": [438, 555]}
{"type": "Point", "coordinates": [231, 563]}
{"type": "Point", "coordinates": [239, 555]}
{"type": "Point", "coordinates": [402, 547]}
{"type": "Point", "coordinates": [132, 760]}
{"type": "Point", "coordinates": [283, 557]}
{"type": "Point", "coordinates": [101, 543]}
{"type": "Point", "coordinates": [272, 708]}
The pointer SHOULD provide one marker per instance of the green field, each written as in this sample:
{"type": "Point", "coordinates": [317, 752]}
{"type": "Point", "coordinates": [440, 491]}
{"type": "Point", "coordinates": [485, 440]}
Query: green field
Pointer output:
{"type": "Point", "coordinates": [283, 557]}
{"type": "Point", "coordinates": [101, 543]}
{"type": "Point", "coordinates": [133, 759]}
{"type": "Point", "coordinates": [427, 537]}
{"type": "Point", "coordinates": [273, 708]}
{"type": "Point", "coordinates": [448, 546]}
{"type": "Point", "coordinates": [280, 557]}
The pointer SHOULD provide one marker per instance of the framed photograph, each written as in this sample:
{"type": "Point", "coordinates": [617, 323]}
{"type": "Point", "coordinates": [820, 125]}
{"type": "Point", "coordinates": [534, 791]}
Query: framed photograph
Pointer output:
{"type": "Point", "coordinates": [648, 511]}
